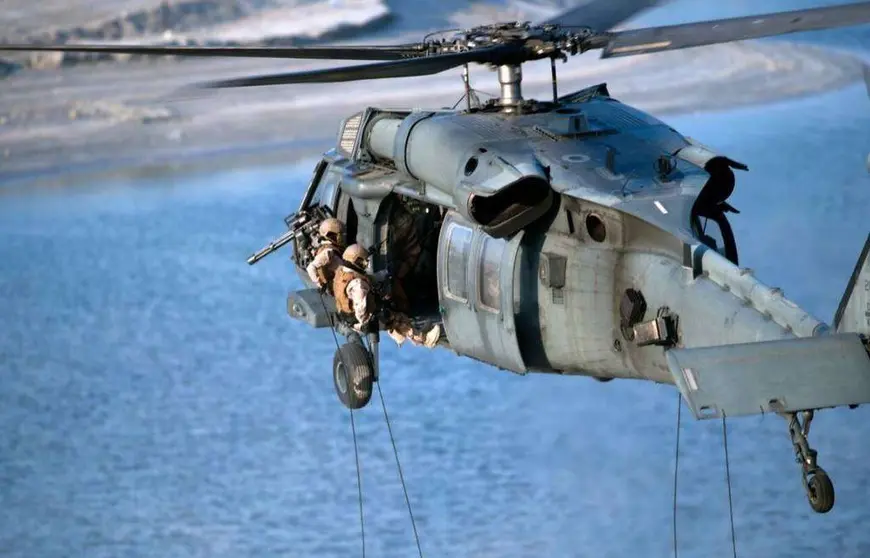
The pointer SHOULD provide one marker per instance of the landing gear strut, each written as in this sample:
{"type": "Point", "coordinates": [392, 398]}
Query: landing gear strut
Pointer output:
{"type": "Point", "coordinates": [817, 484]}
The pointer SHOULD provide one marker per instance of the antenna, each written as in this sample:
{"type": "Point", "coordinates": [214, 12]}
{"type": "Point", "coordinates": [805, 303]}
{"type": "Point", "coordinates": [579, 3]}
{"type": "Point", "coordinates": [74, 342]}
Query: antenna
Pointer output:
{"type": "Point", "coordinates": [466, 81]}
{"type": "Point", "coordinates": [553, 77]}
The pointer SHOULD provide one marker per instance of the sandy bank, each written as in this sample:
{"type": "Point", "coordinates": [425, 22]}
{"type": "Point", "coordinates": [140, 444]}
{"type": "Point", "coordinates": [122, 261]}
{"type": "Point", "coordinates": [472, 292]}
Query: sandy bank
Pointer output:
{"type": "Point", "coordinates": [70, 119]}
{"type": "Point", "coordinates": [190, 22]}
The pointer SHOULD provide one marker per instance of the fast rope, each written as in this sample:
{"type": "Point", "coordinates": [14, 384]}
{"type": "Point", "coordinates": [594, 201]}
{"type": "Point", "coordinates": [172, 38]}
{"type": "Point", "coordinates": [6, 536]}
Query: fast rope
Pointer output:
{"type": "Point", "coordinates": [362, 527]}
{"type": "Point", "coordinates": [728, 479]}
{"type": "Point", "coordinates": [399, 467]}
{"type": "Point", "coordinates": [677, 466]}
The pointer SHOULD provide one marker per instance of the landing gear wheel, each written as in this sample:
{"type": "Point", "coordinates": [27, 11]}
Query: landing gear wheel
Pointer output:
{"type": "Point", "coordinates": [352, 375]}
{"type": "Point", "coordinates": [820, 491]}
{"type": "Point", "coordinates": [818, 486]}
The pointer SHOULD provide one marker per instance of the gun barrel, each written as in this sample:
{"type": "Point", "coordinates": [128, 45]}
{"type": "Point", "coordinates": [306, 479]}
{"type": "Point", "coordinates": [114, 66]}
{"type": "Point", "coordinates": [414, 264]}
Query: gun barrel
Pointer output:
{"type": "Point", "coordinates": [301, 222]}
{"type": "Point", "coordinates": [272, 246]}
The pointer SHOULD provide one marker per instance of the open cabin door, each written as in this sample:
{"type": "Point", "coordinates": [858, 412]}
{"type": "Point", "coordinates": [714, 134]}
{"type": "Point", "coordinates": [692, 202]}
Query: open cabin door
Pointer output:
{"type": "Point", "coordinates": [476, 292]}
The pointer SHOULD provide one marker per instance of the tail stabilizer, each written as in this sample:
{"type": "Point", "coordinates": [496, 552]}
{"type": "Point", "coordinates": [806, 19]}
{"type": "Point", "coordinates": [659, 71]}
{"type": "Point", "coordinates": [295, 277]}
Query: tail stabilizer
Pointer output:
{"type": "Point", "coordinates": [787, 375]}
{"type": "Point", "coordinates": [853, 314]}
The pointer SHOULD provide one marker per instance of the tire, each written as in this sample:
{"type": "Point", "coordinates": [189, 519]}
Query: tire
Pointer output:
{"type": "Point", "coordinates": [354, 358]}
{"type": "Point", "coordinates": [821, 493]}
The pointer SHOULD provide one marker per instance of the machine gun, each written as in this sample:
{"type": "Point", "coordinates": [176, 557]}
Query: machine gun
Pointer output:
{"type": "Point", "coordinates": [302, 227]}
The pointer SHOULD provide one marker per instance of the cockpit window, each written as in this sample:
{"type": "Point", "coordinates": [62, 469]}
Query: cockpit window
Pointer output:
{"type": "Point", "coordinates": [325, 193]}
{"type": "Point", "coordinates": [458, 247]}
{"type": "Point", "coordinates": [488, 276]}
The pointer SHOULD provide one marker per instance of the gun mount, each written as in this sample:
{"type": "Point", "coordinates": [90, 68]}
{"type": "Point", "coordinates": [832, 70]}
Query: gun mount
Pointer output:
{"type": "Point", "coordinates": [302, 226]}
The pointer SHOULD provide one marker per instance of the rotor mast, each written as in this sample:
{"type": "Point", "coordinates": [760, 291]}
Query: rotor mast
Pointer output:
{"type": "Point", "coordinates": [510, 78]}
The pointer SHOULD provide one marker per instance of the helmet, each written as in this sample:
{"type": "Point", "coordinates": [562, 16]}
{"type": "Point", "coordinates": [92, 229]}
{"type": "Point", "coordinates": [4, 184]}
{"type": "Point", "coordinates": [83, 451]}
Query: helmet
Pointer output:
{"type": "Point", "coordinates": [331, 228]}
{"type": "Point", "coordinates": [356, 255]}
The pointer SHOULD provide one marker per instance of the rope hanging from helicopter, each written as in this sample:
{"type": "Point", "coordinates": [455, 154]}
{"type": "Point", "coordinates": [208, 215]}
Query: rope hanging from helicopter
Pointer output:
{"type": "Point", "coordinates": [353, 431]}
{"type": "Point", "coordinates": [727, 477]}
{"type": "Point", "coordinates": [356, 447]}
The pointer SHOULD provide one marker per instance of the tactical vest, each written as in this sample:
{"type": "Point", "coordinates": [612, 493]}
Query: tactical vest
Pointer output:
{"type": "Point", "coordinates": [326, 273]}
{"type": "Point", "coordinates": [343, 277]}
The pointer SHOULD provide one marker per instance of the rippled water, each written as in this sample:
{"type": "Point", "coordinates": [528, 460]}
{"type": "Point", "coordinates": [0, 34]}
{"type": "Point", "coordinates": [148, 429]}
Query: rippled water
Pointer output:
{"type": "Point", "coordinates": [157, 401]}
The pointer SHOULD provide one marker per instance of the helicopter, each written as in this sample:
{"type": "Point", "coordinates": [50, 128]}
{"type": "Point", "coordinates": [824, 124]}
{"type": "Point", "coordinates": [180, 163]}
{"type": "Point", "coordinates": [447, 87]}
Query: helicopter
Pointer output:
{"type": "Point", "coordinates": [574, 236]}
{"type": "Point", "coordinates": [867, 85]}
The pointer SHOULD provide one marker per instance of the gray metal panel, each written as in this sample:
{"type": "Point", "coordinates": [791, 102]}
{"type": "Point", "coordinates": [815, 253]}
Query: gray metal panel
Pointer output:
{"type": "Point", "coordinates": [472, 330]}
{"type": "Point", "coordinates": [614, 168]}
{"type": "Point", "coordinates": [773, 376]}
{"type": "Point", "coordinates": [501, 326]}
{"type": "Point", "coordinates": [743, 284]}
{"type": "Point", "coordinates": [307, 306]}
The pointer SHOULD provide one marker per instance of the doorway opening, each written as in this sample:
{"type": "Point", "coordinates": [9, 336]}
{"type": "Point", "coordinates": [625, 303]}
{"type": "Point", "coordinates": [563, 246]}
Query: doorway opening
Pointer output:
{"type": "Point", "coordinates": [412, 233]}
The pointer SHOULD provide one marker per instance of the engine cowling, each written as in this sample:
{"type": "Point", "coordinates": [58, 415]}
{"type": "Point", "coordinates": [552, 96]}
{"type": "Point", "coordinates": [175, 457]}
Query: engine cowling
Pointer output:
{"type": "Point", "coordinates": [498, 184]}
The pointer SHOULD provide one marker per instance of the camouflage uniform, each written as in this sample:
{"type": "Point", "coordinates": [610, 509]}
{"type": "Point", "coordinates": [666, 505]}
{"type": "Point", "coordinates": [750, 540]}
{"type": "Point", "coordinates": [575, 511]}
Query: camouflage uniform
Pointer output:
{"type": "Point", "coordinates": [354, 299]}
{"type": "Point", "coordinates": [400, 328]}
{"type": "Point", "coordinates": [327, 257]}
{"type": "Point", "coordinates": [321, 270]}
{"type": "Point", "coordinates": [405, 250]}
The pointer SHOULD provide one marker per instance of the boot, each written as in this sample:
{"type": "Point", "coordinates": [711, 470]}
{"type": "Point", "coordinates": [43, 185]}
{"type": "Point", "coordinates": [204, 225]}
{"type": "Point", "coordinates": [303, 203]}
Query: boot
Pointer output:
{"type": "Point", "coordinates": [432, 336]}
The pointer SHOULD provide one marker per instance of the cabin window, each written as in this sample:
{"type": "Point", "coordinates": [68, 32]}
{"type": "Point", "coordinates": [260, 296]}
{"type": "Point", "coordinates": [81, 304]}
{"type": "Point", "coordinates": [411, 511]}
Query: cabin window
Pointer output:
{"type": "Point", "coordinates": [488, 276]}
{"type": "Point", "coordinates": [325, 192]}
{"type": "Point", "coordinates": [458, 246]}
{"type": "Point", "coordinates": [316, 177]}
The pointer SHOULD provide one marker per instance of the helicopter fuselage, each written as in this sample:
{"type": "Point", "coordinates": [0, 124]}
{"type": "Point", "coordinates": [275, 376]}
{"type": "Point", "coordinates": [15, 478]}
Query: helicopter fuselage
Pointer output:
{"type": "Point", "coordinates": [581, 237]}
{"type": "Point", "coordinates": [572, 238]}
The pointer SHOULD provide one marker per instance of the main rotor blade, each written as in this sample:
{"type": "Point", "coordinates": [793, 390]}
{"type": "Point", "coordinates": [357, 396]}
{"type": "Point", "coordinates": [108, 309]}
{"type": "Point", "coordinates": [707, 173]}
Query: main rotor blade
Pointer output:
{"type": "Point", "coordinates": [687, 35]}
{"type": "Point", "coordinates": [602, 15]}
{"type": "Point", "coordinates": [321, 53]}
{"type": "Point", "coordinates": [379, 70]}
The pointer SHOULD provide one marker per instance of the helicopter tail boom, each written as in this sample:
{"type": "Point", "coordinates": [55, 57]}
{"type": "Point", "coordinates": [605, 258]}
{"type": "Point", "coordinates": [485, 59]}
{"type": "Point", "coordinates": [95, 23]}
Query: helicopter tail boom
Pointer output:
{"type": "Point", "coordinates": [819, 368]}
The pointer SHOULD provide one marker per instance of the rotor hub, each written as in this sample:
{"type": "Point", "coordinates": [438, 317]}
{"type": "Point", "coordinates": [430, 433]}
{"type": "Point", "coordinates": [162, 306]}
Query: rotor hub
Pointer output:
{"type": "Point", "coordinates": [532, 42]}
{"type": "Point", "coordinates": [524, 42]}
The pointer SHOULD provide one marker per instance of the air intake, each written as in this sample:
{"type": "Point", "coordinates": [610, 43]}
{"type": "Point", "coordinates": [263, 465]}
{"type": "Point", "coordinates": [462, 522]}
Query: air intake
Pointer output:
{"type": "Point", "coordinates": [347, 138]}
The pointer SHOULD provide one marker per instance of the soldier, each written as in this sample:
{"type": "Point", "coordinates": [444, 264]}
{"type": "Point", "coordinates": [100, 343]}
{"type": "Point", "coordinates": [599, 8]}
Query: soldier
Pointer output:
{"type": "Point", "coordinates": [327, 257]}
{"type": "Point", "coordinates": [405, 247]}
{"type": "Point", "coordinates": [352, 289]}
{"type": "Point", "coordinates": [399, 328]}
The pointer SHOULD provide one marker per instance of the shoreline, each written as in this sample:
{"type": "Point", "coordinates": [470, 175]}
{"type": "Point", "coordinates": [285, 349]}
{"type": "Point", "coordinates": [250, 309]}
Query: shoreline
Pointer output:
{"type": "Point", "coordinates": [130, 116]}
{"type": "Point", "coordinates": [180, 22]}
